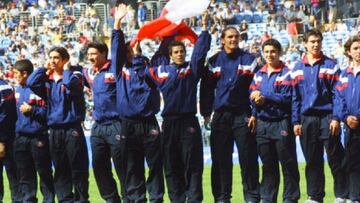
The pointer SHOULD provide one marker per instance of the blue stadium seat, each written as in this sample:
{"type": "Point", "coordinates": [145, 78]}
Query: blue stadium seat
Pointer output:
{"type": "Point", "coordinates": [5, 42]}
{"type": "Point", "coordinates": [257, 17]}
{"type": "Point", "coordinates": [248, 17]}
{"type": "Point", "coordinates": [238, 18]}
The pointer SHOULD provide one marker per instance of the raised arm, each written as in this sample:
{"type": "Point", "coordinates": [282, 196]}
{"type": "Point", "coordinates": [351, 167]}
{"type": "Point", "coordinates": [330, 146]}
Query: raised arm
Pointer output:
{"type": "Point", "coordinates": [161, 56]}
{"type": "Point", "coordinates": [118, 47]}
{"type": "Point", "coordinates": [201, 48]}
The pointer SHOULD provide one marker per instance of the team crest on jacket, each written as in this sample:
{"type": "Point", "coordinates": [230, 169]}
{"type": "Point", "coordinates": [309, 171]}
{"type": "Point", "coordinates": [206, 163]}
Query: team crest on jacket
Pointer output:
{"type": "Point", "coordinates": [109, 78]}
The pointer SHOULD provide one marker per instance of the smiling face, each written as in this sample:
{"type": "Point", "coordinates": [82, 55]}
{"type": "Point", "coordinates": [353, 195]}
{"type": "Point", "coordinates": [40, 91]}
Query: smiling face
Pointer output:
{"type": "Point", "coordinates": [230, 40]}
{"type": "Point", "coordinates": [271, 55]}
{"type": "Point", "coordinates": [96, 58]}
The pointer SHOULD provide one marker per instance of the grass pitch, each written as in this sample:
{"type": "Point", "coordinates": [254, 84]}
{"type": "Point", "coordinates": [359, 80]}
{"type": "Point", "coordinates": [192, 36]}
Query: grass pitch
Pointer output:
{"type": "Point", "coordinates": [237, 196]}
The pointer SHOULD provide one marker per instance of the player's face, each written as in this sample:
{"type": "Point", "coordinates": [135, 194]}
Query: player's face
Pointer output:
{"type": "Point", "coordinates": [271, 55]}
{"type": "Point", "coordinates": [56, 61]}
{"type": "Point", "coordinates": [178, 55]}
{"type": "Point", "coordinates": [95, 57]}
{"type": "Point", "coordinates": [20, 77]}
{"type": "Point", "coordinates": [355, 52]}
{"type": "Point", "coordinates": [313, 45]}
{"type": "Point", "coordinates": [231, 39]}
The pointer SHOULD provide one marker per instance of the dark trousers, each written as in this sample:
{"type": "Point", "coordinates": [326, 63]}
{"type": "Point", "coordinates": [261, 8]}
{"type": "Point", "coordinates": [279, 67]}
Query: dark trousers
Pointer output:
{"type": "Point", "coordinates": [107, 144]}
{"type": "Point", "coordinates": [71, 162]}
{"type": "Point", "coordinates": [276, 142]}
{"type": "Point", "coordinates": [225, 129]}
{"type": "Point", "coordinates": [315, 136]}
{"type": "Point", "coordinates": [10, 166]}
{"type": "Point", "coordinates": [143, 140]}
{"type": "Point", "coordinates": [352, 157]}
{"type": "Point", "coordinates": [183, 158]}
{"type": "Point", "coordinates": [32, 156]}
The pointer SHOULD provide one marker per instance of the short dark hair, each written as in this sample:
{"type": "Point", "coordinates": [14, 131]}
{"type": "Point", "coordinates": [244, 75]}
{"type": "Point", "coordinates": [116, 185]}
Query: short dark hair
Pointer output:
{"type": "Point", "coordinates": [24, 65]}
{"type": "Point", "coordinates": [222, 36]}
{"type": "Point", "coordinates": [272, 42]}
{"type": "Point", "coordinates": [312, 32]}
{"type": "Point", "coordinates": [62, 51]}
{"type": "Point", "coordinates": [100, 46]}
{"type": "Point", "coordinates": [348, 44]}
{"type": "Point", "coordinates": [176, 44]}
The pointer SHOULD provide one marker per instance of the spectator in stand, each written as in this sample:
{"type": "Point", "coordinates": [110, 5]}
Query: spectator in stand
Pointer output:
{"type": "Point", "coordinates": [316, 9]}
{"type": "Point", "coordinates": [43, 4]}
{"type": "Point", "coordinates": [12, 23]}
{"type": "Point", "coordinates": [69, 24]}
{"type": "Point", "coordinates": [83, 39]}
{"type": "Point", "coordinates": [243, 30]}
{"type": "Point", "coordinates": [94, 22]}
{"type": "Point", "coordinates": [14, 11]}
{"type": "Point", "coordinates": [56, 23]}
{"type": "Point", "coordinates": [46, 23]}
{"type": "Point", "coordinates": [280, 19]}
{"type": "Point", "coordinates": [141, 13]}
{"type": "Point", "coordinates": [303, 17]}
{"type": "Point", "coordinates": [272, 10]}
{"type": "Point", "coordinates": [332, 10]}
{"type": "Point", "coordinates": [60, 11]}
{"type": "Point", "coordinates": [234, 6]}
{"type": "Point", "coordinates": [265, 37]}
{"type": "Point", "coordinates": [291, 17]}
{"type": "Point", "coordinates": [130, 19]}
{"type": "Point", "coordinates": [35, 11]}
{"type": "Point", "coordinates": [83, 20]}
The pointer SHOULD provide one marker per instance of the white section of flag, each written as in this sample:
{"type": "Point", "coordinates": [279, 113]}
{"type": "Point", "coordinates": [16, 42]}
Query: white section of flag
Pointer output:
{"type": "Point", "coordinates": [181, 9]}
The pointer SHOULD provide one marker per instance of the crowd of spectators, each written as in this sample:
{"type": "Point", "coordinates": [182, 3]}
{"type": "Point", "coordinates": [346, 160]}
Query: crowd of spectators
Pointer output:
{"type": "Point", "coordinates": [28, 28]}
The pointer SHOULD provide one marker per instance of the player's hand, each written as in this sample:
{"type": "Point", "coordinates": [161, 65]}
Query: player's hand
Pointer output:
{"type": "Point", "coordinates": [2, 150]}
{"type": "Point", "coordinates": [25, 108]}
{"type": "Point", "coordinates": [260, 101]}
{"type": "Point", "coordinates": [255, 94]}
{"type": "Point", "coordinates": [252, 124]}
{"type": "Point", "coordinates": [352, 122]}
{"type": "Point", "coordinates": [334, 127]}
{"type": "Point", "coordinates": [49, 68]}
{"type": "Point", "coordinates": [67, 65]}
{"type": "Point", "coordinates": [120, 12]}
{"type": "Point", "coordinates": [297, 130]}
{"type": "Point", "coordinates": [205, 19]}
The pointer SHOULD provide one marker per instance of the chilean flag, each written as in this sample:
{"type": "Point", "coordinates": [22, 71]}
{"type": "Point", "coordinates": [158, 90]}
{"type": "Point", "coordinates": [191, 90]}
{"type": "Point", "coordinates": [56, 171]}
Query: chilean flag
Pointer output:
{"type": "Point", "coordinates": [171, 20]}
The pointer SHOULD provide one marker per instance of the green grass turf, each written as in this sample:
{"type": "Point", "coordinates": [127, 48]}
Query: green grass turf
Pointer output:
{"type": "Point", "coordinates": [237, 187]}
